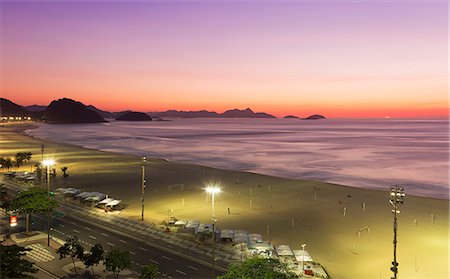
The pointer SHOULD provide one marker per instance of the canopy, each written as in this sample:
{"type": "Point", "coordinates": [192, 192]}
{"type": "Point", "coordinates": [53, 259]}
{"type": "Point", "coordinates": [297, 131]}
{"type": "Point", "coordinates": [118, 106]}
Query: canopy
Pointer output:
{"type": "Point", "coordinates": [113, 203]}
{"type": "Point", "coordinates": [105, 201]}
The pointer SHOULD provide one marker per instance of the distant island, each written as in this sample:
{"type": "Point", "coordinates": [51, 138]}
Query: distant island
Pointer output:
{"type": "Point", "coordinates": [315, 116]}
{"type": "Point", "coordinates": [134, 116]}
{"type": "Point", "coordinates": [234, 113]}
{"type": "Point", "coordinates": [70, 111]}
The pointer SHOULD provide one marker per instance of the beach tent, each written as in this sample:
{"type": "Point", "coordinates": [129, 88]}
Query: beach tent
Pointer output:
{"type": "Point", "coordinates": [105, 201]}
{"type": "Point", "coordinates": [255, 238]}
{"type": "Point", "coordinates": [284, 250]}
{"type": "Point", "coordinates": [192, 225]}
{"type": "Point", "coordinates": [302, 256]}
{"type": "Point", "coordinates": [180, 223]}
{"type": "Point", "coordinates": [227, 235]}
{"type": "Point", "coordinates": [113, 203]}
{"type": "Point", "coordinates": [261, 249]}
{"type": "Point", "coordinates": [240, 236]}
{"type": "Point", "coordinates": [204, 228]}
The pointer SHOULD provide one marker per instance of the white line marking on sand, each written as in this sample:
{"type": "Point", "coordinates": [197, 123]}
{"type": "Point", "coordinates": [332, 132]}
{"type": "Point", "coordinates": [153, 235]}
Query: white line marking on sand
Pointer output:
{"type": "Point", "coordinates": [110, 244]}
{"type": "Point", "coordinates": [89, 229]}
{"type": "Point", "coordinates": [167, 258]}
{"type": "Point", "coordinates": [123, 241]}
{"type": "Point", "coordinates": [132, 253]}
{"type": "Point", "coordinates": [93, 237]}
{"type": "Point", "coordinates": [191, 267]}
{"type": "Point", "coordinates": [153, 261]}
{"type": "Point", "coordinates": [181, 272]}
{"type": "Point", "coordinates": [105, 234]}
{"type": "Point", "coordinates": [77, 231]}
{"type": "Point", "coordinates": [143, 249]}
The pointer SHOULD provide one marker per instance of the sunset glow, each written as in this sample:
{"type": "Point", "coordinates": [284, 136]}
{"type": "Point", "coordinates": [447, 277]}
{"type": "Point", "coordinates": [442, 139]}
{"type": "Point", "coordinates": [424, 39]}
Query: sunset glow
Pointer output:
{"type": "Point", "coordinates": [339, 59]}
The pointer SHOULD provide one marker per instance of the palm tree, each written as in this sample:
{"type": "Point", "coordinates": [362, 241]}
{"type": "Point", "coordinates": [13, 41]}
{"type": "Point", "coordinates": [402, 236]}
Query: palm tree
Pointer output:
{"type": "Point", "coordinates": [7, 163]}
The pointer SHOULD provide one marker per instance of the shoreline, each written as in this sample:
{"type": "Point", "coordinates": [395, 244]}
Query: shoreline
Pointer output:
{"type": "Point", "coordinates": [325, 216]}
{"type": "Point", "coordinates": [35, 125]}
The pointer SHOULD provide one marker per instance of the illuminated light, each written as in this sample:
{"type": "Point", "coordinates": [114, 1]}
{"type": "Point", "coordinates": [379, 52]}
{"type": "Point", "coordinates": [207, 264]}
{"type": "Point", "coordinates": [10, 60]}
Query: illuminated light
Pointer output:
{"type": "Point", "coordinates": [213, 189]}
{"type": "Point", "coordinates": [48, 162]}
{"type": "Point", "coordinates": [13, 220]}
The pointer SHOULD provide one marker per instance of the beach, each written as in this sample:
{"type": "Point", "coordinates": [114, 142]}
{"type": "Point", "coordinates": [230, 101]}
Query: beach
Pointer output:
{"type": "Point", "coordinates": [327, 217]}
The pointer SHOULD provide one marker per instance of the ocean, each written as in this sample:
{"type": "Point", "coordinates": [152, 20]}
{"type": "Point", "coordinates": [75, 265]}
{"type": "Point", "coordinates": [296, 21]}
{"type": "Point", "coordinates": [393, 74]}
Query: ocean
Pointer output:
{"type": "Point", "coordinates": [365, 153]}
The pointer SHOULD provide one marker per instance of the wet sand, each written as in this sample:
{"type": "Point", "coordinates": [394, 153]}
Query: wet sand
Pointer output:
{"type": "Point", "coordinates": [284, 210]}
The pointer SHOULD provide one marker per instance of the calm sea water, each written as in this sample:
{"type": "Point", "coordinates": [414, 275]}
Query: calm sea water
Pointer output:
{"type": "Point", "coordinates": [359, 153]}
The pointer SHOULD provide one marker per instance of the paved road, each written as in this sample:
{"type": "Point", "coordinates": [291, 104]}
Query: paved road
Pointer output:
{"type": "Point", "coordinates": [170, 264]}
{"type": "Point", "coordinates": [141, 254]}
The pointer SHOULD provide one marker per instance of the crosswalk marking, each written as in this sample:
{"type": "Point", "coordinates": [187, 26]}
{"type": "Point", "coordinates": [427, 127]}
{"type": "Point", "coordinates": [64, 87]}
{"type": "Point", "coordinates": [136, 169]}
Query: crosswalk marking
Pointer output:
{"type": "Point", "coordinates": [39, 253]}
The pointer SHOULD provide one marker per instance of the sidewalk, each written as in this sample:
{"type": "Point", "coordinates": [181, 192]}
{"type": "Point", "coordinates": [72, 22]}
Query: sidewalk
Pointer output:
{"type": "Point", "coordinates": [50, 265]}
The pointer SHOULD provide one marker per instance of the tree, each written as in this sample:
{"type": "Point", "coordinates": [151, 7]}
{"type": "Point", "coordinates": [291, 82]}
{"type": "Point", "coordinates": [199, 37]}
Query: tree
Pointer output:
{"type": "Point", "coordinates": [93, 257]}
{"type": "Point", "coordinates": [258, 268]}
{"type": "Point", "coordinates": [33, 200]}
{"type": "Point", "coordinates": [72, 248]}
{"type": "Point", "coordinates": [117, 260]}
{"type": "Point", "coordinates": [149, 271]}
{"type": "Point", "coordinates": [6, 163]}
{"type": "Point", "coordinates": [64, 170]}
{"type": "Point", "coordinates": [12, 265]}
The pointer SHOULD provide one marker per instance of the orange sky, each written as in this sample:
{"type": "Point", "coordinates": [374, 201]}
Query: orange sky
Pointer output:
{"type": "Point", "coordinates": [340, 60]}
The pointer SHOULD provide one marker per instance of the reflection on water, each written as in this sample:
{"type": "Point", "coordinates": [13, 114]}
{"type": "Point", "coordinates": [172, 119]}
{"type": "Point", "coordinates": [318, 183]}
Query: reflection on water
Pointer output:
{"type": "Point", "coordinates": [360, 153]}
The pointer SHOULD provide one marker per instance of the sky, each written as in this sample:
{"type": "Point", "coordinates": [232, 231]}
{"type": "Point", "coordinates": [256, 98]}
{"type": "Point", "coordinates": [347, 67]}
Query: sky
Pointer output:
{"type": "Point", "coordinates": [336, 58]}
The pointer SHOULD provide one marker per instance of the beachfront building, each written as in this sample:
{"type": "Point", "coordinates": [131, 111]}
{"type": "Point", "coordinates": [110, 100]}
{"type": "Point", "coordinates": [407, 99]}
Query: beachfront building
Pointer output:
{"type": "Point", "coordinates": [5, 118]}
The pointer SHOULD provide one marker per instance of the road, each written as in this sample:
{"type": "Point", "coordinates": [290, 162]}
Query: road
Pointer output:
{"type": "Point", "coordinates": [141, 250]}
{"type": "Point", "coordinates": [140, 253]}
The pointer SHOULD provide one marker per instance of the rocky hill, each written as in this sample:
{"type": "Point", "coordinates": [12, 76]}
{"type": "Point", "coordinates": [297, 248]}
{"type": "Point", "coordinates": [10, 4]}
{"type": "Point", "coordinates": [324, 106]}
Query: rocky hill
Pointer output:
{"type": "Point", "coordinates": [8, 108]}
{"type": "Point", "coordinates": [70, 111]}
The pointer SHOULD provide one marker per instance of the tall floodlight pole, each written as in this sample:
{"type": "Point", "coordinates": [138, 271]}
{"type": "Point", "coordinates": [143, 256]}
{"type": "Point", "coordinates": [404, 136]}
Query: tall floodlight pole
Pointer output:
{"type": "Point", "coordinates": [48, 163]}
{"type": "Point", "coordinates": [213, 190]}
{"type": "Point", "coordinates": [144, 162]}
{"type": "Point", "coordinates": [396, 200]}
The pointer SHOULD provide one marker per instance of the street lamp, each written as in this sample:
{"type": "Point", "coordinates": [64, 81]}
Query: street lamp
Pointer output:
{"type": "Point", "coordinates": [143, 181]}
{"type": "Point", "coordinates": [48, 163]}
{"type": "Point", "coordinates": [303, 259]}
{"type": "Point", "coordinates": [213, 190]}
{"type": "Point", "coordinates": [396, 198]}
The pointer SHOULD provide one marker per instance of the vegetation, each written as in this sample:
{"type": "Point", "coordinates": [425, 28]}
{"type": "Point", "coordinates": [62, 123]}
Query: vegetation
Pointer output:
{"type": "Point", "coordinates": [257, 268]}
{"type": "Point", "coordinates": [93, 257]}
{"type": "Point", "coordinates": [64, 170]}
{"type": "Point", "coordinates": [12, 265]}
{"type": "Point", "coordinates": [21, 158]}
{"type": "Point", "coordinates": [6, 163]}
{"type": "Point", "coordinates": [117, 260]}
{"type": "Point", "coordinates": [72, 248]}
{"type": "Point", "coordinates": [149, 271]}
{"type": "Point", "coordinates": [34, 200]}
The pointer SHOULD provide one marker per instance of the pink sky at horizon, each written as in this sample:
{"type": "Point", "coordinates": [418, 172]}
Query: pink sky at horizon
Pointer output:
{"type": "Point", "coordinates": [337, 59]}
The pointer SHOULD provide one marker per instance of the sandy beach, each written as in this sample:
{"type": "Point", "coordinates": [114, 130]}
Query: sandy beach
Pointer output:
{"type": "Point", "coordinates": [325, 216]}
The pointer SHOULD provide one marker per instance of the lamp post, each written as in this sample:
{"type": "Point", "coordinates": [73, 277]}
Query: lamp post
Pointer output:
{"type": "Point", "coordinates": [303, 258]}
{"type": "Point", "coordinates": [213, 190]}
{"type": "Point", "coordinates": [144, 162]}
{"type": "Point", "coordinates": [396, 200]}
{"type": "Point", "coordinates": [48, 163]}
